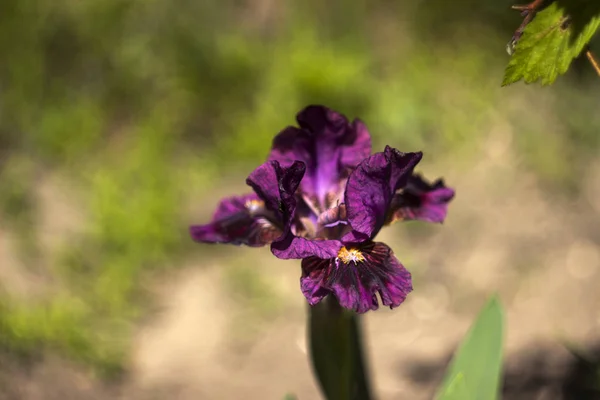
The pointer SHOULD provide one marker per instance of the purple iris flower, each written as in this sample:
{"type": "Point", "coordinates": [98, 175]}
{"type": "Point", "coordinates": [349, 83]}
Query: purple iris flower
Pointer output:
{"type": "Point", "coordinates": [321, 197]}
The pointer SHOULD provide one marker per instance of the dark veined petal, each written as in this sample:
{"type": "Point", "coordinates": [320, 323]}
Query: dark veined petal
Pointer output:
{"type": "Point", "coordinates": [355, 276]}
{"type": "Point", "coordinates": [371, 187]}
{"type": "Point", "coordinates": [294, 247]}
{"type": "Point", "coordinates": [421, 200]}
{"type": "Point", "coordinates": [238, 220]}
{"type": "Point", "coordinates": [275, 185]}
{"type": "Point", "coordinates": [328, 144]}
{"type": "Point", "coordinates": [260, 218]}
{"type": "Point", "coordinates": [353, 138]}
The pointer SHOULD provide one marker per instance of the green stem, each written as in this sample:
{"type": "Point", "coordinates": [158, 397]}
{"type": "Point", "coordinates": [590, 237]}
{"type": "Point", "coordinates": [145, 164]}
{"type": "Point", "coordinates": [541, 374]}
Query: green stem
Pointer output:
{"type": "Point", "coordinates": [336, 352]}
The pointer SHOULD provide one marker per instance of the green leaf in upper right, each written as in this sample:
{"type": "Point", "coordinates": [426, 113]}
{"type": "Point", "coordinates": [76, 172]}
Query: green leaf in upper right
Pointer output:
{"type": "Point", "coordinates": [547, 47]}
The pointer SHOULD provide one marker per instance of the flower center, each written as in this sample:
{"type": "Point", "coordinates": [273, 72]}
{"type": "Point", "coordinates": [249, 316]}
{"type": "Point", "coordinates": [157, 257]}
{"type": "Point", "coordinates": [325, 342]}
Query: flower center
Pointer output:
{"type": "Point", "coordinates": [350, 255]}
{"type": "Point", "coordinates": [253, 206]}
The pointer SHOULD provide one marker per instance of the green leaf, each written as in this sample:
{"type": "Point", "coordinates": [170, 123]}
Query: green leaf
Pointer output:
{"type": "Point", "coordinates": [290, 396]}
{"type": "Point", "coordinates": [456, 389]}
{"type": "Point", "coordinates": [477, 365]}
{"type": "Point", "coordinates": [548, 46]}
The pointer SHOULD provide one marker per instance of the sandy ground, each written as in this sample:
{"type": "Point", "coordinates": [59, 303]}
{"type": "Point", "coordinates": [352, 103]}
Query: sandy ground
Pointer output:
{"type": "Point", "coordinates": [504, 234]}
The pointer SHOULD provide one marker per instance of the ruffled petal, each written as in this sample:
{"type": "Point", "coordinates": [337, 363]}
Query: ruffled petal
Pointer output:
{"type": "Point", "coordinates": [355, 276]}
{"type": "Point", "coordinates": [276, 185]}
{"type": "Point", "coordinates": [294, 247]}
{"type": "Point", "coordinates": [421, 200]}
{"type": "Point", "coordinates": [238, 220]}
{"type": "Point", "coordinates": [371, 187]}
{"type": "Point", "coordinates": [330, 147]}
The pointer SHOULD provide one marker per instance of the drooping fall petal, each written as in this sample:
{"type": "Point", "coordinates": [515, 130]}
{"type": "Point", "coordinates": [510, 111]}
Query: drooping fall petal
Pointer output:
{"type": "Point", "coordinates": [355, 277]}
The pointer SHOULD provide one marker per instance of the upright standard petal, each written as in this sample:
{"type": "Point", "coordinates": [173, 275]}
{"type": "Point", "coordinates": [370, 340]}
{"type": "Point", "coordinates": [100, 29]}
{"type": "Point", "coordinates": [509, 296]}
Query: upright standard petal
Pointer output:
{"type": "Point", "coordinates": [276, 185]}
{"type": "Point", "coordinates": [371, 187]}
{"type": "Point", "coordinates": [239, 220]}
{"type": "Point", "coordinates": [330, 147]}
{"type": "Point", "coordinates": [421, 200]}
{"type": "Point", "coordinates": [355, 277]}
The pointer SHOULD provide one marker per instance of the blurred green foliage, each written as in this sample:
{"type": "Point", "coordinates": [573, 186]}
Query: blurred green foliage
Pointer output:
{"type": "Point", "coordinates": [144, 105]}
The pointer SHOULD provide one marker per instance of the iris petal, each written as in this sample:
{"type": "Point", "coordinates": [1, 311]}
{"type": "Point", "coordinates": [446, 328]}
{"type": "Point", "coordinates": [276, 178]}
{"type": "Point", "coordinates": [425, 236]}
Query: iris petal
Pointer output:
{"type": "Point", "coordinates": [356, 280]}
{"type": "Point", "coordinates": [421, 200]}
{"type": "Point", "coordinates": [371, 187]}
{"type": "Point", "coordinates": [260, 218]}
{"type": "Point", "coordinates": [276, 185]}
{"type": "Point", "coordinates": [294, 247]}
{"type": "Point", "coordinates": [328, 144]}
{"type": "Point", "coordinates": [238, 220]}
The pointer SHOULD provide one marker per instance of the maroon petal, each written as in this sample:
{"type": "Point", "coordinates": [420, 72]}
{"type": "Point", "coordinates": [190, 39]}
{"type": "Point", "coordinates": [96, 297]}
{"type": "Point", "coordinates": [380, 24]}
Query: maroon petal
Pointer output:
{"type": "Point", "coordinates": [238, 220]}
{"type": "Point", "coordinates": [421, 200]}
{"type": "Point", "coordinates": [371, 187]}
{"type": "Point", "coordinates": [293, 247]}
{"type": "Point", "coordinates": [276, 185]}
{"type": "Point", "coordinates": [355, 276]}
{"type": "Point", "coordinates": [328, 144]}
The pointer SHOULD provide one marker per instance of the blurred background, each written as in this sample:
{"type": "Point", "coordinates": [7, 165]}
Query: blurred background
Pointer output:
{"type": "Point", "coordinates": [124, 121]}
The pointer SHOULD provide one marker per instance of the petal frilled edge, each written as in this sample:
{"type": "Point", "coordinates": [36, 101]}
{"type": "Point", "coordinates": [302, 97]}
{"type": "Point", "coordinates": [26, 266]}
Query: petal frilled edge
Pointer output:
{"type": "Point", "coordinates": [353, 138]}
{"type": "Point", "coordinates": [421, 200]}
{"type": "Point", "coordinates": [355, 284]}
{"type": "Point", "coordinates": [238, 220]}
{"type": "Point", "coordinates": [371, 187]}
